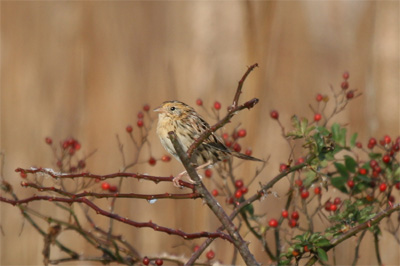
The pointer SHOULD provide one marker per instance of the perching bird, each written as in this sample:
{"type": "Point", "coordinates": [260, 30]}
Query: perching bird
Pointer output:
{"type": "Point", "coordinates": [188, 125]}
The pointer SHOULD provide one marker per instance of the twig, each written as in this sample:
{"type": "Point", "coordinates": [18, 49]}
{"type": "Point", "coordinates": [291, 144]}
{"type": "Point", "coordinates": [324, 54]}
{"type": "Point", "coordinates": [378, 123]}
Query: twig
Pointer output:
{"type": "Point", "coordinates": [114, 195]}
{"type": "Point", "coordinates": [50, 172]}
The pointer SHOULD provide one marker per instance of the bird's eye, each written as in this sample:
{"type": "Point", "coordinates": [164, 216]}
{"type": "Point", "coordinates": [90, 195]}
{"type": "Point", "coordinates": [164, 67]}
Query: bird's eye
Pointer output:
{"type": "Point", "coordinates": [172, 108]}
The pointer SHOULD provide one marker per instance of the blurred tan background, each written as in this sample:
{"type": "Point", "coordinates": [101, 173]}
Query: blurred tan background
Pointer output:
{"type": "Point", "coordinates": [84, 69]}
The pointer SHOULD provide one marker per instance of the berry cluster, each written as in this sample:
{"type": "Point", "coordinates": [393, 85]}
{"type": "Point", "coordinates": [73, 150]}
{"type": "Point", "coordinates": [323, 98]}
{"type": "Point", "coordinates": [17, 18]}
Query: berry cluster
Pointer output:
{"type": "Point", "coordinates": [67, 160]}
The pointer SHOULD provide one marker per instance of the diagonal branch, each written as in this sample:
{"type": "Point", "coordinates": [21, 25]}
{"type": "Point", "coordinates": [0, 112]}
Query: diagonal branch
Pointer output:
{"type": "Point", "coordinates": [237, 239]}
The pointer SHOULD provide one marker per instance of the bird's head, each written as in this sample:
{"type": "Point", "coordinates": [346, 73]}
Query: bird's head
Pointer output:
{"type": "Point", "coordinates": [174, 110]}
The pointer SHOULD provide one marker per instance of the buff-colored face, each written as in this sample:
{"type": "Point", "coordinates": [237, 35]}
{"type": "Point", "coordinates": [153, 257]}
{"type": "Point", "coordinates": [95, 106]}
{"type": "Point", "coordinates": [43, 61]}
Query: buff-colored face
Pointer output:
{"type": "Point", "coordinates": [173, 110]}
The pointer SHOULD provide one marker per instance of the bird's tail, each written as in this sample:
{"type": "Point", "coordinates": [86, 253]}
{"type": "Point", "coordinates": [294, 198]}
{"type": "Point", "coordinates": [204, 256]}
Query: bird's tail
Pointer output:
{"type": "Point", "coordinates": [245, 157]}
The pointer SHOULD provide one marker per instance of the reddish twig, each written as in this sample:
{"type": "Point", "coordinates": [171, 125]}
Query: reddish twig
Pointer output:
{"type": "Point", "coordinates": [166, 195]}
{"type": "Point", "coordinates": [50, 172]}
{"type": "Point", "coordinates": [100, 211]}
{"type": "Point", "coordinates": [239, 88]}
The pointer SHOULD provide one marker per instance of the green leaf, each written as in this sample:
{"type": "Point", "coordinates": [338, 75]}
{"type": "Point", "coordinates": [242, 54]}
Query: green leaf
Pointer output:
{"type": "Point", "coordinates": [322, 254]}
{"type": "Point", "coordinates": [250, 209]}
{"type": "Point", "coordinates": [342, 170]}
{"type": "Point", "coordinates": [339, 183]}
{"type": "Point", "coordinates": [353, 140]}
{"type": "Point", "coordinates": [350, 163]}
{"type": "Point", "coordinates": [322, 242]}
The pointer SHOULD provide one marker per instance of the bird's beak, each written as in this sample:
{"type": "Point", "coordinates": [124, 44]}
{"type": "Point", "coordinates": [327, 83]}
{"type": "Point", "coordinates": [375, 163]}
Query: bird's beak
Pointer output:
{"type": "Point", "coordinates": [158, 110]}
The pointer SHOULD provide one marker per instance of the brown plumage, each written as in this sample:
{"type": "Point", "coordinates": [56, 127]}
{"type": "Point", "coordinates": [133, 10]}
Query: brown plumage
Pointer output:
{"type": "Point", "coordinates": [188, 125]}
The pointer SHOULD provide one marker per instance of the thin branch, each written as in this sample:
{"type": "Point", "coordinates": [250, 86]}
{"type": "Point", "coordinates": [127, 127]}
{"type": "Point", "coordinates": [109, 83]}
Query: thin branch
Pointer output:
{"type": "Point", "coordinates": [239, 88]}
{"type": "Point", "coordinates": [52, 173]}
{"type": "Point", "coordinates": [114, 195]}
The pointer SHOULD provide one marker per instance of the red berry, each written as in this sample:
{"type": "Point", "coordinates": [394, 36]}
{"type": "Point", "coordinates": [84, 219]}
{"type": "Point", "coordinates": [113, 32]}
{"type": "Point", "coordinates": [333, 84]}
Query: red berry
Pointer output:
{"type": "Point", "coordinates": [166, 158]}
{"type": "Point", "coordinates": [372, 141]}
{"type": "Point", "coordinates": [210, 255]}
{"type": "Point", "coordinates": [146, 261]}
{"type": "Point", "coordinates": [282, 167]}
{"type": "Point", "coordinates": [77, 146]}
{"type": "Point", "coordinates": [217, 105]}
{"type": "Point", "coordinates": [146, 107]}
{"type": "Point", "coordinates": [344, 85]}
{"type": "Point", "coordinates": [382, 187]}
{"type": "Point", "coordinates": [237, 147]}
{"type": "Point", "coordinates": [239, 183]}
{"type": "Point", "coordinates": [370, 146]}
{"type": "Point", "coordinates": [152, 161]}
{"type": "Point", "coordinates": [328, 205]}
{"type": "Point", "coordinates": [387, 139]}
{"type": "Point", "coordinates": [273, 223]}
{"type": "Point", "coordinates": [375, 174]}
{"type": "Point", "coordinates": [362, 171]}
{"type": "Point", "coordinates": [242, 133]}
{"type": "Point", "coordinates": [244, 190]}
{"type": "Point", "coordinates": [105, 186]}
{"type": "Point", "coordinates": [306, 249]}
{"type": "Point", "coordinates": [317, 117]}
{"type": "Point", "coordinates": [140, 123]}
{"type": "Point", "coordinates": [81, 164]}
{"type": "Point", "coordinates": [197, 247]}
{"type": "Point", "coordinates": [398, 185]}
{"type": "Point", "coordinates": [228, 143]}
{"type": "Point", "coordinates": [373, 163]}
{"type": "Point", "coordinates": [350, 95]}
{"type": "Point", "coordinates": [298, 182]}
{"type": "Point", "coordinates": [396, 147]}
{"type": "Point", "coordinates": [300, 160]}
{"type": "Point", "coordinates": [214, 192]}
{"type": "Point", "coordinates": [358, 145]}
{"type": "Point", "coordinates": [333, 207]}
{"type": "Point", "coordinates": [23, 174]}
{"type": "Point", "coordinates": [274, 114]}
{"type": "Point", "coordinates": [346, 75]}
{"type": "Point", "coordinates": [317, 190]}
{"type": "Point", "coordinates": [350, 183]}
{"type": "Point", "coordinates": [208, 172]}
{"type": "Point", "coordinates": [337, 201]}
{"type": "Point", "coordinates": [238, 194]}
{"type": "Point", "coordinates": [285, 214]}
{"type": "Point", "coordinates": [295, 215]}
{"type": "Point", "coordinates": [140, 115]}
{"type": "Point", "coordinates": [159, 262]}
{"type": "Point", "coordinates": [292, 223]}
{"type": "Point", "coordinates": [113, 189]}
{"type": "Point", "coordinates": [248, 152]}
{"type": "Point", "coordinates": [49, 140]}
{"type": "Point", "coordinates": [386, 158]}
{"type": "Point", "coordinates": [129, 129]}
{"type": "Point", "coordinates": [319, 97]}
{"type": "Point", "coordinates": [391, 198]}
{"type": "Point", "coordinates": [304, 194]}
{"type": "Point", "coordinates": [199, 102]}
{"type": "Point", "coordinates": [225, 136]}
